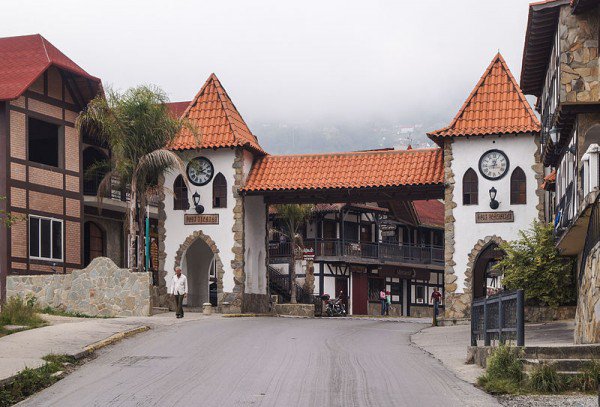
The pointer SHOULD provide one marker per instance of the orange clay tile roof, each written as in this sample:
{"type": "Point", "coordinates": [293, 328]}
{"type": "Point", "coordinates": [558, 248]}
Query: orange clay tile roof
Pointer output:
{"type": "Point", "coordinates": [216, 120]}
{"type": "Point", "coordinates": [495, 106]}
{"type": "Point", "coordinates": [363, 169]}
{"type": "Point", "coordinates": [430, 212]}
{"type": "Point", "coordinates": [549, 180]}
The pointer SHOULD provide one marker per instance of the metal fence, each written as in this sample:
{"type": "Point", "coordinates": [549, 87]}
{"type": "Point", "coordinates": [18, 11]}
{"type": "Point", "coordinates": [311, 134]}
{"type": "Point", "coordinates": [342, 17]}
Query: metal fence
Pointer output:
{"type": "Point", "coordinates": [592, 237]}
{"type": "Point", "coordinates": [499, 317]}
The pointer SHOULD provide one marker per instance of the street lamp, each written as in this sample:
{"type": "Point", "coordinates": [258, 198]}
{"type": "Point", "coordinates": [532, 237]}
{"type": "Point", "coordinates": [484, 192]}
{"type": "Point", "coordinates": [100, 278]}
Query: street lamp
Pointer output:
{"type": "Point", "coordinates": [493, 203]}
{"type": "Point", "coordinates": [196, 199]}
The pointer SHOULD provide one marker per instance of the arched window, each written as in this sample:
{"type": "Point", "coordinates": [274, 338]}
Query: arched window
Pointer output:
{"type": "Point", "coordinates": [470, 188]}
{"type": "Point", "coordinates": [518, 187]}
{"type": "Point", "coordinates": [219, 191]}
{"type": "Point", "coordinates": [181, 201]}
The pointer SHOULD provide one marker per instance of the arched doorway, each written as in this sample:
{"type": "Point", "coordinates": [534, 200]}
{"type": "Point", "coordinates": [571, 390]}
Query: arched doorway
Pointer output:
{"type": "Point", "coordinates": [94, 242]}
{"type": "Point", "coordinates": [484, 276]}
{"type": "Point", "coordinates": [199, 265]}
{"type": "Point", "coordinates": [92, 156]}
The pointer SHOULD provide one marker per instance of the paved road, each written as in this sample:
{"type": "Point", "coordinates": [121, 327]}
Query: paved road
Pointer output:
{"type": "Point", "coordinates": [265, 362]}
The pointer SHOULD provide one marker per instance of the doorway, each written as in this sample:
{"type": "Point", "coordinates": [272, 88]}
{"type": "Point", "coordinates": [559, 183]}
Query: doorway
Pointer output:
{"type": "Point", "coordinates": [484, 275]}
{"type": "Point", "coordinates": [341, 285]}
{"type": "Point", "coordinates": [93, 242]}
{"type": "Point", "coordinates": [199, 266]}
{"type": "Point", "coordinates": [360, 296]}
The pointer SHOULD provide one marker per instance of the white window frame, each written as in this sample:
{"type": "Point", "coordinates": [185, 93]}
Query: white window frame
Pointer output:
{"type": "Point", "coordinates": [62, 238]}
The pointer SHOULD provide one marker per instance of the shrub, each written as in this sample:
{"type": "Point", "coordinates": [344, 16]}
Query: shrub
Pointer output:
{"type": "Point", "coordinates": [17, 312]}
{"type": "Point", "coordinates": [504, 371]}
{"type": "Point", "coordinates": [545, 379]}
{"type": "Point", "coordinates": [534, 264]}
{"type": "Point", "coordinates": [588, 379]}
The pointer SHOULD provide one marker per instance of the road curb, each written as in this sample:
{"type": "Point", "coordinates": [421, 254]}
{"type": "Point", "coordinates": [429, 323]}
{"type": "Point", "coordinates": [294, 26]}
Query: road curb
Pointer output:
{"type": "Point", "coordinates": [90, 349]}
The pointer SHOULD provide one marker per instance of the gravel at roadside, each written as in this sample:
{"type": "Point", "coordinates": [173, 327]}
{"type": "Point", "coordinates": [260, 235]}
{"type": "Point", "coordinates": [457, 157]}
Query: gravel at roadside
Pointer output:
{"type": "Point", "coordinates": [549, 401]}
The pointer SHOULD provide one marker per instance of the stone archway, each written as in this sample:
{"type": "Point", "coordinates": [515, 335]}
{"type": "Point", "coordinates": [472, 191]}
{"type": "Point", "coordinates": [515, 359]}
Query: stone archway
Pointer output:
{"type": "Point", "coordinates": [188, 242]}
{"type": "Point", "coordinates": [481, 246]}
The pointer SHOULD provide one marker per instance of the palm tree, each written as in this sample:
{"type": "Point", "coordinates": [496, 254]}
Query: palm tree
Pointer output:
{"type": "Point", "coordinates": [293, 216]}
{"type": "Point", "coordinates": [137, 127]}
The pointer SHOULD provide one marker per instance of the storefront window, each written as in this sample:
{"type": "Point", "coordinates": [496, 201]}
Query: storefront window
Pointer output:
{"type": "Point", "coordinates": [375, 286]}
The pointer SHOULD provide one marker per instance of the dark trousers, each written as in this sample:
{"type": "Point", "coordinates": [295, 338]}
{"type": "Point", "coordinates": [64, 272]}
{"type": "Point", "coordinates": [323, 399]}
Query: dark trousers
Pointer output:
{"type": "Point", "coordinates": [179, 305]}
{"type": "Point", "coordinates": [383, 306]}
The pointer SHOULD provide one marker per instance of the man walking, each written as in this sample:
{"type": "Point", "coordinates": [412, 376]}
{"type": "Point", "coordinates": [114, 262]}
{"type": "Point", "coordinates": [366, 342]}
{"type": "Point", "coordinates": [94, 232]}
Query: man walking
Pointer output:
{"type": "Point", "coordinates": [179, 289]}
{"type": "Point", "coordinates": [436, 296]}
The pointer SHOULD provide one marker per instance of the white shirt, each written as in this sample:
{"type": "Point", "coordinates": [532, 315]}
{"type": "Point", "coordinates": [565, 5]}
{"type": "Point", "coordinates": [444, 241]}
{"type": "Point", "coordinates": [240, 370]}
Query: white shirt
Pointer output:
{"type": "Point", "coordinates": [179, 285]}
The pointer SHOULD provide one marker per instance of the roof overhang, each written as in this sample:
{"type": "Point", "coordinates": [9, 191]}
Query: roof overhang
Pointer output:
{"type": "Point", "coordinates": [539, 39]}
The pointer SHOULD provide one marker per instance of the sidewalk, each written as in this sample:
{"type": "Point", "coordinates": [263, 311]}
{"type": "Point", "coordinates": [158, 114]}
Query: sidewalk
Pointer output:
{"type": "Point", "coordinates": [449, 344]}
{"type": "Point", "coordinates": [74, 337]}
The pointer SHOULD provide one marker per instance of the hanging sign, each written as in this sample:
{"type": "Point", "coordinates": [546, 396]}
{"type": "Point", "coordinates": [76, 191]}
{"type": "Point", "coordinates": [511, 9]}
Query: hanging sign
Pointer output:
{"type": "Point", "coordinates": [204, 219]}
{"type": "Point", "coordinates": [494, 217]}
{"type": "Point", "coordinates": [309, 253]}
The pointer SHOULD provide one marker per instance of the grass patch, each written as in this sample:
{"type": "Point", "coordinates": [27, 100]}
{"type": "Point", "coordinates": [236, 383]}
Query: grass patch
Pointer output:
{"type": "Point", "coordinates": [545, 379]}
{"type": "Point", "coordinates": [30, 381]}
{"type": "Point", "coordinates": [504, 373]}
{"type": "Point", "coordinates": [55, 311]}
{"type": "Point", "coordinates": [18, 312]}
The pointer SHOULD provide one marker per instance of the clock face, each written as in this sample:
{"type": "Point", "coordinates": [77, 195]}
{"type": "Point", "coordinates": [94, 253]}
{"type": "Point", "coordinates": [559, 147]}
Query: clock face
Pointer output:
{"type": "Point", "coordinates": [200, 171]}
{"type": "Point", "coordinates": [493, 164]}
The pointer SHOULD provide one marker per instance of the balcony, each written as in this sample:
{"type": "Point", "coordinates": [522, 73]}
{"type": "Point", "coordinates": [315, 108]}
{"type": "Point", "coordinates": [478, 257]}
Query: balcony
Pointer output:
{"type": "Point", "coordinates": [337, 250]}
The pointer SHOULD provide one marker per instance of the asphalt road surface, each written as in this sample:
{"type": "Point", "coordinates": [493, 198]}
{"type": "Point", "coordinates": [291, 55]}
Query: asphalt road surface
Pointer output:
{"type": "Point", "coordinates": [265, 362]}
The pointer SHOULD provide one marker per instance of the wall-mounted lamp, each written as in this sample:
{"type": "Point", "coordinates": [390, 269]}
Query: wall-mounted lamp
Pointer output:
{"type": "Point", "coordinates": [554, 134]}
{"type": "Point", "coordinates": [493, 203]}
{"type": "Point", "coordinates": [199, 208]}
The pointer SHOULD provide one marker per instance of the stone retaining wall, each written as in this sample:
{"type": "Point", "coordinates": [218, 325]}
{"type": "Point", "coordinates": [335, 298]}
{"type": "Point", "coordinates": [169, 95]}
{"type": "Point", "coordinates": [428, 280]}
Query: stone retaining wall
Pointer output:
{"type": "Point", "coordinates": [545, 314]}
{"type": "Point", "coordinates": [101, 289]}
{"type": "Point", "coordinates": [587, 318]}
{"type": "Point", "coordinates": [298, 310]}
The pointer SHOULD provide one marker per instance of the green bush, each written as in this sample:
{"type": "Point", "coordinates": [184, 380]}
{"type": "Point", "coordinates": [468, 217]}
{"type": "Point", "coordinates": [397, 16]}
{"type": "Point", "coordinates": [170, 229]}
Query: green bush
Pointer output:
{"type": "Point", "coordinates": [17, 312]}
{"type": "Point", "coordinates": [504, 372]}
{"type": "Point", "coordinates": [588, 379]}
{"type": "Point", "coordinates": [545, 379]}
{"type": "Point", "coordinates": [534, 264]}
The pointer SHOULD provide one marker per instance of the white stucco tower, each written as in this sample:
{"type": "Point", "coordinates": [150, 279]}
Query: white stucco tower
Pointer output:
{"type": "Point", "coordinates": [208, 228]}
{"type": "Point", "coordinates": [492, 174]}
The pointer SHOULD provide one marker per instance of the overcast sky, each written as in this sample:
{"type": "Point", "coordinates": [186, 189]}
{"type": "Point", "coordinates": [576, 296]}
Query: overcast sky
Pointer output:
{"type": "Point", "coordinates": [287, 60]}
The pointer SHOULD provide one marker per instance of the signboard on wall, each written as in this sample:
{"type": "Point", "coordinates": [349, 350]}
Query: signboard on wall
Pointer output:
{"type": "Point", "coordinates": [494, 217]}
{"type": "Point", "coordinates": [309, 253]}
{"type": "Point", "coordinates": [204, 219]}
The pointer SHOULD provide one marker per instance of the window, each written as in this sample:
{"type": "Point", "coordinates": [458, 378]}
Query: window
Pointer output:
{"type": "Point", "coordinates": [219, 191]}
{"type": "Point", "coordinates": [420, 294]}
{"type": "Point", "coordinates": [45, 238]}
{"type": "Point", "coordinates": [470, 188]}
{"type": "Point", "coordinates": [375, 286]}
{"type": "Point", "coordinates": [181, 200]}
{"type": "Point", "coordinates": [44, 142]}
{"type": "Point", "coordinates": [518, 187]}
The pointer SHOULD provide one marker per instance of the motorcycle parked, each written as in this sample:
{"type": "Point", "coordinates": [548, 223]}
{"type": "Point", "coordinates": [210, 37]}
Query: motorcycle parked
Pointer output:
{"type": "Point", "coordinates": [333, 307]}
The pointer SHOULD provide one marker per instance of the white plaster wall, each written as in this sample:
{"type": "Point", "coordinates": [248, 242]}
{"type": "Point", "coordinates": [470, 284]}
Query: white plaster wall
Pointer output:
{"type": "Point", "coordinates": [221, 234]}
{"type": "Point", "coordinates": [466, 153]}
{"type": "Point", "coordinates": [255, 235]}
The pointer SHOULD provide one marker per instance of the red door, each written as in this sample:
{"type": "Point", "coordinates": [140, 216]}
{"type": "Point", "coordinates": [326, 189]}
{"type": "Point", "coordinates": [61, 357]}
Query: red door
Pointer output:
{"type": "Point", "coordinates": [360, 297]}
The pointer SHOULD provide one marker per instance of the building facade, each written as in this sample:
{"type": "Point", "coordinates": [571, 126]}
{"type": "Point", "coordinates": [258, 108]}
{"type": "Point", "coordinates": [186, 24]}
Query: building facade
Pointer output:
{"type": "Point", "coordinates": [360, 249]}
{"type": "Point", "coordinates": [492, 172]}
{"type": "Point", "coordinates": [561, 68]}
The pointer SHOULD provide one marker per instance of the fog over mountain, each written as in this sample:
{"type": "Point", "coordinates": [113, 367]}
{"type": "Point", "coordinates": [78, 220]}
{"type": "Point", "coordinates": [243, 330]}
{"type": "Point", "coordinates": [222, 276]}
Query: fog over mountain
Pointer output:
{"type": "Point", "coordinates": [306, 75]}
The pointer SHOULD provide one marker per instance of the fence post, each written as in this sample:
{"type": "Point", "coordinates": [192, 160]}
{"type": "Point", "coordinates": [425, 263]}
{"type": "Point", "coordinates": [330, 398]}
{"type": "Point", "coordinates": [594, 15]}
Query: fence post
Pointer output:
{"type": "Point", "coordinates": [473, 326]}
{"type": "Point", "coordinates": [520, 318]}
{"type": "Point", "coordinates": [486, 335]}
{"type": "Point", "coordinates": [500, 321]}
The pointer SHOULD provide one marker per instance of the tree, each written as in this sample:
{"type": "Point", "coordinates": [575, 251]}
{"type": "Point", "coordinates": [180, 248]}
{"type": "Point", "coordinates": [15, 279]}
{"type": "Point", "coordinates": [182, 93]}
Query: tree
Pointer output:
{"type": "Point", "coordinates": [137, 127]}
{"type": "Point", "coordinates": [533, 263]}
{"type": "Point", "coordinates": [6, 217]}
{"type": "Point", "coordinates": [292, 217]}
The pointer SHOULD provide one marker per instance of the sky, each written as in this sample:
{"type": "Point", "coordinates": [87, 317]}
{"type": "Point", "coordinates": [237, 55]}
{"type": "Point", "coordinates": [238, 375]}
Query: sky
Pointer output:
{"type": "Point", "coordinates": [327, 61]}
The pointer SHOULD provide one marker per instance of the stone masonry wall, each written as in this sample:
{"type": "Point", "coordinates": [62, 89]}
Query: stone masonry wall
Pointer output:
{"type": "Point", "coordinates": [587, 317]}
{"type": "Point", "coordinates": [579, 79]}
{"type": "Point", "coordinates": [101, 289]}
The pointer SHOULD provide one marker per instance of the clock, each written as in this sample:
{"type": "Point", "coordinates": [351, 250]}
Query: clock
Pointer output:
{"type": "Point", "coordinates": [200, 171]}
{"type": "Point", "coordinates": [493, 164]}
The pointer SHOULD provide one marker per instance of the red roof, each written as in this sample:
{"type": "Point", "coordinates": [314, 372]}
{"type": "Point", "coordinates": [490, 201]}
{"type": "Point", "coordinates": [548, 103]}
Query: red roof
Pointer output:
{"type": "Point", "coordinates": [217, 121]}
{"type": "Point", "coordinates": [177, 108]}
{"type": "Point", "coordinates": [25, 58]}
{"type": "Point", "coordinates": [495, 106]}
{"type": "Point", "coordinates": [364, 169]}
{"type": "Point", "coordinates": [430, 212]}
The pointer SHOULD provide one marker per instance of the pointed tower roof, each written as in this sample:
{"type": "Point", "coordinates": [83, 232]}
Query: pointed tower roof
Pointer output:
{"type": "Point", "coordinates": [217, 121]}
{"type": "Point", "coordinates": [496, 106]}
{"type": "Point", "coordinates": [26, 57]}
